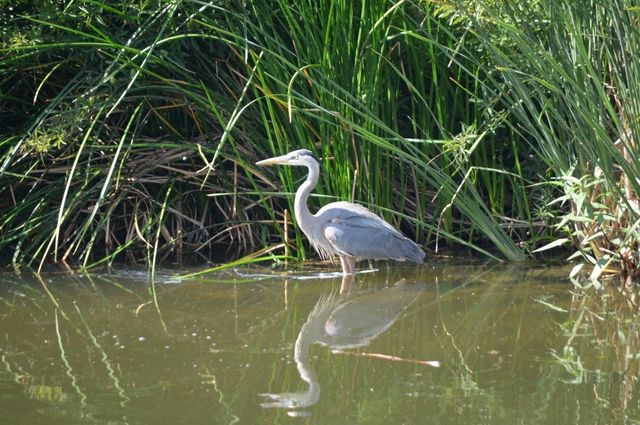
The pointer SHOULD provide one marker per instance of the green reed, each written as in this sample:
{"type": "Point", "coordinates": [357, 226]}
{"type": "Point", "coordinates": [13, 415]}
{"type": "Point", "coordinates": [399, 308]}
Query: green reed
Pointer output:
{"type": "Point", "coordinates": [567, 74]}
{"type": "Point", "coordinates": [130, 131]}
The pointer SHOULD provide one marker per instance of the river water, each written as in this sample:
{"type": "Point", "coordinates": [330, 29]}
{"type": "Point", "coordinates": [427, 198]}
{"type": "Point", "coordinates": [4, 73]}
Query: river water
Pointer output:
{"type": "Point", "coordinates": [446, 343]}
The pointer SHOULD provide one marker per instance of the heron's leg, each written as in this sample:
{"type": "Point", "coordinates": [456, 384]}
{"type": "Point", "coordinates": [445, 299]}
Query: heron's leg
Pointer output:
{"type": "Point", "coordinates": [343, 263]}
{"type": "Point", "coordinates": [348, 265]}
{"type": "Point", "coordinates": [352, 264]}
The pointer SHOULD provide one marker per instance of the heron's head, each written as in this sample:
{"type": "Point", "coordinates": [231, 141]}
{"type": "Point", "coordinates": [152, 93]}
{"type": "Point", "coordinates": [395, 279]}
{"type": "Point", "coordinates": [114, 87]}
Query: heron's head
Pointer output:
{"type": "Point", "coordinates": [302, 157]}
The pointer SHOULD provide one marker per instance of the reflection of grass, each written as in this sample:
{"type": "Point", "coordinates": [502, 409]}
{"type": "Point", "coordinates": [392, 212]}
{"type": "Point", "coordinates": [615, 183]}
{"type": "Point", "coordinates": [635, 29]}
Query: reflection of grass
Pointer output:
{"type": "Point", "coordinates": [104, 358]}
{"type": "Point", "coordinates": [68, 369]}
{"type": "Point", "coordinates": [571, 363]}
{"type": "Point", "coordinates": [601, 338]}
{"type": "Point", "coordinates": [49, 393]}
{"type": "Point", "coordinates": [482, 323]}
{"type": "Point", "coordinates": [209, 379]}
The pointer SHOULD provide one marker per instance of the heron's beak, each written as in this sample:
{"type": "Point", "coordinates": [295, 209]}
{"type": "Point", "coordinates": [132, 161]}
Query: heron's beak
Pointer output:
{"type": "Point", "coordinates": [274, 161]}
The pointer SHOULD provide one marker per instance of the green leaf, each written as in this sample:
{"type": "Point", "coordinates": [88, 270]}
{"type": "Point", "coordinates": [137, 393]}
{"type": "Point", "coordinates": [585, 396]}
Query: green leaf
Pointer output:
{"type": "Point", "coordinates": [551, 306]}
{"type": "Point", "coordinates": [554, 244]}
{"type": "Point", "coordinates": [575, 270]}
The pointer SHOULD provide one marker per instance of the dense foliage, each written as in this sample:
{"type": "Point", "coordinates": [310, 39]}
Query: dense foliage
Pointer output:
{"type": "Point", "coordinates": [568, 75]}
{"type": "Point", "coordinates": [130, 130]}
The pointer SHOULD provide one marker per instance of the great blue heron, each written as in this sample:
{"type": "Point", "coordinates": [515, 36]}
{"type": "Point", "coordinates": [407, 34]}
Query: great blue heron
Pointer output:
{"type": "Point", "coordinates": [345, 229]}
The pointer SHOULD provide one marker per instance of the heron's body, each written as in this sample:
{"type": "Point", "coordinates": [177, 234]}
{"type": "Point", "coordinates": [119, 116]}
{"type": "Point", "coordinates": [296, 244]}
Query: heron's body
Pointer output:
{"type": "Point", "coordinates": [344, 229]}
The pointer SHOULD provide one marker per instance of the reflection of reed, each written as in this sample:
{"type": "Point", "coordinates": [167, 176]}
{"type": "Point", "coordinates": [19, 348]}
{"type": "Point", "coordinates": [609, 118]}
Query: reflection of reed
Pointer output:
{"type": "Point", "coordinates": [610, 323]}
{"type": "Point", "coordinates": [342, 321]}
{"type": "Point", "coordinates": [68, 368]}
{"type": "Point", "coordinates": [71, 333]}
{"type": "Point", "coordinates": [625, 361]}
{"type": "Point", "coordinates": [104, 358]}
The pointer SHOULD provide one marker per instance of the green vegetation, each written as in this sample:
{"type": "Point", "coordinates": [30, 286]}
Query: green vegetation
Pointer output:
{"type": "Point", "coordinates": [568, 77]}
{"type": "Point", "coordinates": [130, 130]}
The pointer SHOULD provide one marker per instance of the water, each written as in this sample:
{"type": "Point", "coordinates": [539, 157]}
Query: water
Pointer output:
{"type": "Point", "coordinates": [444, 344]}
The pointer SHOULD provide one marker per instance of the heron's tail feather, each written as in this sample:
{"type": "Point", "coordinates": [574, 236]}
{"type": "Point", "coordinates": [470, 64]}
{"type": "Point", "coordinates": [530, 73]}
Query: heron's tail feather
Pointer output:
{"type": "Point", "coordinates": [411, 251]}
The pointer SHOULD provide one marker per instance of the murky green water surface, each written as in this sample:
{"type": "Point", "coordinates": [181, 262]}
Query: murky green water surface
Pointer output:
{"type": "Point", "coordinates": [443, 344]}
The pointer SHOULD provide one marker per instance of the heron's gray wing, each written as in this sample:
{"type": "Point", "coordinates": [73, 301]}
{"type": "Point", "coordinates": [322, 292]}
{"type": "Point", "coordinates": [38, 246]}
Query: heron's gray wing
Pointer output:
{"type": "Point", "coordinates": [352, 233]}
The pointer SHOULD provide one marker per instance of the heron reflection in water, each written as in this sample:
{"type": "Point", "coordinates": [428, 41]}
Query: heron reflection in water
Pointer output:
{"type": "Point", "coordinates": [341, 322]}
{"type": "Point", "coordinates": [344, 229]}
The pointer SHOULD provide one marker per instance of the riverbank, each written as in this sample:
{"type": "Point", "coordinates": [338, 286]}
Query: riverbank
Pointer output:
{"type": "Point", "coordinates": [130, 132]}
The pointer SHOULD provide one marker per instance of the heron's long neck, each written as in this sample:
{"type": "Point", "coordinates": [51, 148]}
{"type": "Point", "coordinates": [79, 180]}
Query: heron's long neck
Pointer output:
{"type": "Point", "coordinates": [303, 215]}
